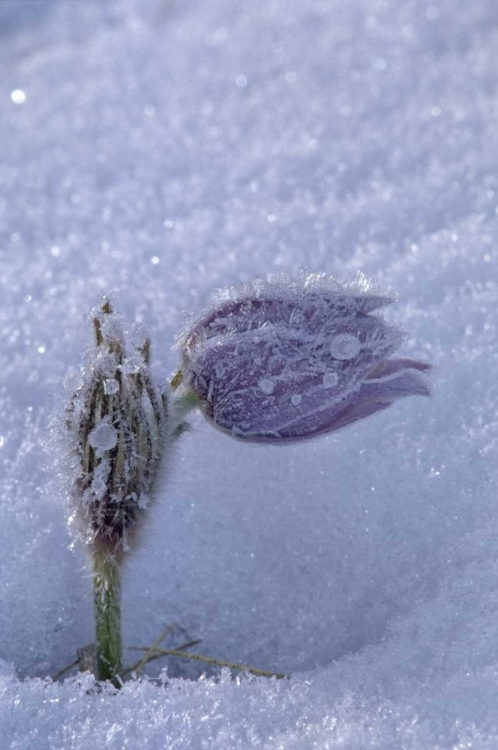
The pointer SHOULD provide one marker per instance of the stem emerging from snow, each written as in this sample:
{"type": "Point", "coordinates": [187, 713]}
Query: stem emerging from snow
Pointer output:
{"type": "Point", "coordinates": [117, 422]}
{"type": "Point", "coordinates": [107, 600]}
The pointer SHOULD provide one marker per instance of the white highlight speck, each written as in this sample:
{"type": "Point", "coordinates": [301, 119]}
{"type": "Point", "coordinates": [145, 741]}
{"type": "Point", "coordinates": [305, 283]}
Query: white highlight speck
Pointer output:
{"type": "Point", "coordinates": [104, 437]}
{"type": "Point", "coordinates": [18, 96]}
{"type": "Point", "coordinates": [130, 366]}
{"type": "Point", "coordinates": [111, 386]}
{"type": "Point", "coordinates": [41, 350]}
{"type": "Point", "coordinates": [107, 364]}
{"type": "Point", "coordinates": [143, 501]}
{"type": "Point", "coordinates": [99, 487]}
{"type": "Point", "coordinates": [344, 346]}
{"type": "Point", "coordinates": [266, 385]}
{"type": "Point", "coordinates": [155, 260]}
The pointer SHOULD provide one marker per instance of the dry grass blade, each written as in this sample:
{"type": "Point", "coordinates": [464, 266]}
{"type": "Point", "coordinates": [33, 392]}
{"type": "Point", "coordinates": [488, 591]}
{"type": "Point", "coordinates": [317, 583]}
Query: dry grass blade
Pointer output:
{"type": "Point", "coordinates": [146, 657]}
{"type": "Point", "coordinates": [65, 669]}
{"type": "Point", "coordinates": [209, 660]}
{"type": "Point", "coordinates": [152, 656]}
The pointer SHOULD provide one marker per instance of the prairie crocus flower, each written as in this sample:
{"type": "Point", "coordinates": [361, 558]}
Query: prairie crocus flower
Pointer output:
{"type": "Point", "coordinates": [115, 420]}
{"type": "Point", "coordinates": [286, 359]}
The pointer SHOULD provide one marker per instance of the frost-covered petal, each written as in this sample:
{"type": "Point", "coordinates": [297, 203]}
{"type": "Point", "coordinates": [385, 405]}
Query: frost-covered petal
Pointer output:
{"type": "Point", "coordinates": [390, 367]}
{"type": "Point", "coordinates": [284, 362]}
{"type": "Point", "coordinates": [397, 378]}
{"type": "Point", "coordinates": [297, 414]}
{"type": "Point", "coordinates": [394, 379]}
{"type": "Point", "coordinates": [302, 302]}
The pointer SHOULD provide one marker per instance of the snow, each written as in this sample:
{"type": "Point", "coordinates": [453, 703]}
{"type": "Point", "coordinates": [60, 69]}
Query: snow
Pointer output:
{"type": "Point", "coordinates": [159, 151]}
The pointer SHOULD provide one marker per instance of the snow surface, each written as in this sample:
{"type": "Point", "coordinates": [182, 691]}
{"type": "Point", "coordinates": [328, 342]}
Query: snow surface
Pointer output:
{"type": "Point", "coordinates": [166, 149]}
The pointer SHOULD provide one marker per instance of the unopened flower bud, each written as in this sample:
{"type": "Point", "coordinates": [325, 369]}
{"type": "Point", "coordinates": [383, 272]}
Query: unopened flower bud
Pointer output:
{"type": "Point", "coordinates": [288, 359]}
{"type": "Point", "coordinates": [116, 421]}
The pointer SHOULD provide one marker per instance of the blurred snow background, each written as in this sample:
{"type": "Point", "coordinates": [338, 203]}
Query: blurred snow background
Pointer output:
{"type": "Point", "coordinates": [162, 149]}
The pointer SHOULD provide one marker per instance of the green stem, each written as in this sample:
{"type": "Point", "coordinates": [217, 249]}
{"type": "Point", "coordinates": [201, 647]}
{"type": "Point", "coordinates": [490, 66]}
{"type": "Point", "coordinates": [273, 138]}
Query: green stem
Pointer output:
{"type": "Point", "coordinates": [107, 601]}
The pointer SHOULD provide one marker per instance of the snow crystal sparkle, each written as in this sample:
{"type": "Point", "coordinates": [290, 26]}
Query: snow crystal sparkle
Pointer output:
{"type": "Point", "coordinates": [287, 359]}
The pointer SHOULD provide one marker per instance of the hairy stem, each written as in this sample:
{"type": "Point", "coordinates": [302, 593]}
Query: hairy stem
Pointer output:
{"type": "Point", "coordinates": [107, 601]}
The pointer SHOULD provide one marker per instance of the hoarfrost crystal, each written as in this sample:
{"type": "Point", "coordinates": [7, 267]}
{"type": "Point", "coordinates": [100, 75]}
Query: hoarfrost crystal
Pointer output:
{"type": "Point", "coordinates": [285, 359]}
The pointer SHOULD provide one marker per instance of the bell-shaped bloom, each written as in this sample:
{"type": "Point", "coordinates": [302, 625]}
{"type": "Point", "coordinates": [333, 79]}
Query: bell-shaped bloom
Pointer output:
{"type": "Point", "coordinates": [287, 359]}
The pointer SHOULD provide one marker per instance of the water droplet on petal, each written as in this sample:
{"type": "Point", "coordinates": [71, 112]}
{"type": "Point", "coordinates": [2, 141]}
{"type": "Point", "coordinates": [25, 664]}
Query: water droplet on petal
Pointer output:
{"type": "Point", "coordinates": [296, 399]}
{"type": "Point", "coordinates": [330, 379]}
{"type": "Point", "coordinates": [266, 385]}
{"type": "Point", "coordinates": [344, 346]}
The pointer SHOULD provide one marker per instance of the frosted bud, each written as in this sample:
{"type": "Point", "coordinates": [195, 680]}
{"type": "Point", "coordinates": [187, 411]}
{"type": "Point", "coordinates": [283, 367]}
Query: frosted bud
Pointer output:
{"type": "Point", "coordinates": [289, 358]}
{"type": "Point", "coordinates": [116, 421]}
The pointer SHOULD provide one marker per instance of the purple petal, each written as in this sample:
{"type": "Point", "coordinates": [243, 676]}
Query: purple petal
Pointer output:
{"type": "Point", "coordinates": [303, 303]}
{"type": "Point", "coordinates": [389, 367]}
{"type": "Point", "coordinates": [279, 380]}
{"type": "Point", "coordinates": [397, 378]}
{"type": "Point", "coordinates": [359, 409]}
{"type": "Point", "coordinates": [318, 419]}
{"type": "Point", "coordinates": [280, 363]}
